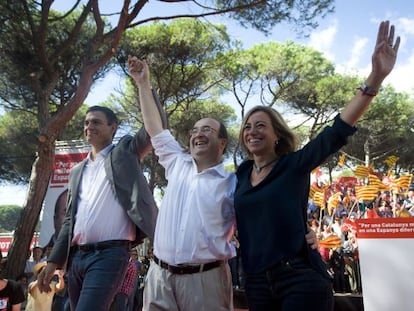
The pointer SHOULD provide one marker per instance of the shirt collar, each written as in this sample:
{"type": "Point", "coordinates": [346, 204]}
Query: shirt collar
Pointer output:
{"type": "Point", "coordinates": [103, 153]}
{"type": "Point", "coordinates": [217, 169]}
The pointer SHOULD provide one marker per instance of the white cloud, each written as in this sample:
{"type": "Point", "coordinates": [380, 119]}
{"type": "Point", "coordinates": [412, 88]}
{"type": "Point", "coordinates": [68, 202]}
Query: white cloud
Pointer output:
{"type": "Point", "coordinates": [400, 76]}
{"type": "Point", "coordinates": [358, 48]}
{"type": "Point", "coordinates": [405, 25]}
{"type": "Point", "coordinates": [323, 40]}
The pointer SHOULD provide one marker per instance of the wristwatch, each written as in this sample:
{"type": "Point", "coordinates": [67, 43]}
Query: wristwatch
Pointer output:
{"type": "Point", "coordinates": [367, 90]}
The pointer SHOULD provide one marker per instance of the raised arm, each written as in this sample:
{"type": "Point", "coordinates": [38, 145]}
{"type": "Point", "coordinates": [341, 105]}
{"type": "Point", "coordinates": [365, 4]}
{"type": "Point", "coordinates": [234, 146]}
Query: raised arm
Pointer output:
{"type": "Point", "coordinates": [383, 61]}
{"type": "Point", "coordinates": [139, 72]}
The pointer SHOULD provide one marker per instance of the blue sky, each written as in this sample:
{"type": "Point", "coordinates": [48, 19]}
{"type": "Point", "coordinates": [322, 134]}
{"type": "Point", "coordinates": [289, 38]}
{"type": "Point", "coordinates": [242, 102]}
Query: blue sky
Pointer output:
{"type": "Point", "coordinates": [346, 37]}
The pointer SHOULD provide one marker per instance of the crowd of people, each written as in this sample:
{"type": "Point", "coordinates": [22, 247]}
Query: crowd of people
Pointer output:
{"type": "Point", "coordinates": [110, 208]}
{"type": "Point", "coordinates": [341, 254]}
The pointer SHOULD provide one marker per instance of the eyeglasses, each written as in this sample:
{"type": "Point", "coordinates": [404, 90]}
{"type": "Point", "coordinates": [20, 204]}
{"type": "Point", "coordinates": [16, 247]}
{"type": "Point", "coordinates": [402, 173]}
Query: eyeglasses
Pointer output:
{"type": "Point", "coordinates": [205, 129]}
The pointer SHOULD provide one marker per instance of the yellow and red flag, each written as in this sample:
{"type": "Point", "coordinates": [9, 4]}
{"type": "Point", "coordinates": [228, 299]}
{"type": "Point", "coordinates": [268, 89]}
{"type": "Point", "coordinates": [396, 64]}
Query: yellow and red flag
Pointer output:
{"type": "Point", "coordinates": [404, 181]}
{"type": "Point", "coordinates": [391, 160]}
{"type": "Point", "coordinates": [375, 181]}
{"type": "Point", "coordinates": [313, 188]}
{"type": "Point", "coordinates": [366, 193]}
{"type": "Point", "coordinates": [361, 171]}
{"type": "Point", "coordinates": [334, 200]}
{"type": "Point", "coordinates": [319, 199]}
{"type": "Point", "coordinates": [331, 241]}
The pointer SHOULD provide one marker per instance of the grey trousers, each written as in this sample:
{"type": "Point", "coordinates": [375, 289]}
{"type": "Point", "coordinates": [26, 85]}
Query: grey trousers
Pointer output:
{"type": "Point", "coordinates": [205, 291]}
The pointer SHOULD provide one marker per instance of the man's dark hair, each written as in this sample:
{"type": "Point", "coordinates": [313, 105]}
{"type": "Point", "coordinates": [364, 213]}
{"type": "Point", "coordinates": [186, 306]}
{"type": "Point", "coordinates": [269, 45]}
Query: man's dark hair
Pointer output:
{"type": "Point", "coordinates": [110, 115]}
{"type": "Point", "coordinates": [222, 131]}
{"type": "Point", "coordinates": [223, 134]}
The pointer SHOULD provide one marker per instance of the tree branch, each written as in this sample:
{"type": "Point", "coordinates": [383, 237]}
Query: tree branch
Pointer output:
{"type": "Point", "coordinates": [218, 12]}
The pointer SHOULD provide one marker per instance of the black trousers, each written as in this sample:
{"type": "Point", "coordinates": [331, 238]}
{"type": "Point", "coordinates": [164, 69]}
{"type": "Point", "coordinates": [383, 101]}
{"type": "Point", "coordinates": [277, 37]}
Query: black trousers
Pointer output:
{"type": "Point", "coordinates": [289, 286]}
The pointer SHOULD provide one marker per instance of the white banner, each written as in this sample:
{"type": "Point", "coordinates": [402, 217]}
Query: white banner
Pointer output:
{"type": "Point", "coordinates": [386, 250]}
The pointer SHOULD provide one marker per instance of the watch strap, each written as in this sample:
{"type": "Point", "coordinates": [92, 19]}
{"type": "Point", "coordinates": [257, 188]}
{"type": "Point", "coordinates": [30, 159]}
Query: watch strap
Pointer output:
{"type": "Point", "coordinates": [367, 90]}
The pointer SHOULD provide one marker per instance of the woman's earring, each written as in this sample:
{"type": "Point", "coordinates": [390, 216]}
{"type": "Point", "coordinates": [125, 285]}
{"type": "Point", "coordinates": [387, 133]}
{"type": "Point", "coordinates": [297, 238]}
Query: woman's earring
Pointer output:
{"type": "Point", "coordinates": [275, 144]}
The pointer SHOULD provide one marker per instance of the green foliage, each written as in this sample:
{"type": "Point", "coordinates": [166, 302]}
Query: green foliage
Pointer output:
{"type": "Point", "coordinates": [20, 57]}
{"type": "Point", "coordinates": [19, 142]}
{"type": "Point", "coordinates": [9, 215]}
{"type": "Point", "coordinates": [18, 145]}
{"type": "Point", "coordinates": [180, 61]}
{"type": "Point", "coordinates": [386, 129]}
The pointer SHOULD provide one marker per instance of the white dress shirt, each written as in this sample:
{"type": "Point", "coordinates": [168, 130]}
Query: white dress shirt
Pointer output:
{"type": "Point", "coordinates": [100, 217]}
{"type": "Point", "coordinates": [196, 219]}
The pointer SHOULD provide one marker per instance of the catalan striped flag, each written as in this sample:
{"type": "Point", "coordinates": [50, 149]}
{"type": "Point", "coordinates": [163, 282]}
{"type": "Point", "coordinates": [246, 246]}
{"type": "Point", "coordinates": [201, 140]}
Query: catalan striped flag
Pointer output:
{"type": "Point", "coordinates": [361, 171]}
{"type": "Point", "coordinates": [366, 193]}
{"type": "Point", "coordinates": [334, 200]}
{"type": "Point", "coordinates": [373, 180]}
{"type": "Point", "coordinates": [313, 188]}
{"type": "Point", "coordinates": [404, 181]}
{"type": "Point", "coordinates": [401, 185]}
{"type": "Point", "coordinates": [391, 160]}
{"type": "Point", "coordinates": [331, 241]}
{"type": "Point", "coordinates": [319, 199]}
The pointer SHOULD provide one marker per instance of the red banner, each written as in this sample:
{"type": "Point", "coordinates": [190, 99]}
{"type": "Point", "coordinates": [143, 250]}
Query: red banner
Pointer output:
{"type": "Point", "coordinates": [6, 240]}
{"type": "Point", "coordinates": [61, 167]}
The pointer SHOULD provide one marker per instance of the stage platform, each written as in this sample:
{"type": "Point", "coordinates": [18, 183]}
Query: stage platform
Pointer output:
{"type": "Point", "coordinates": [343, 302]}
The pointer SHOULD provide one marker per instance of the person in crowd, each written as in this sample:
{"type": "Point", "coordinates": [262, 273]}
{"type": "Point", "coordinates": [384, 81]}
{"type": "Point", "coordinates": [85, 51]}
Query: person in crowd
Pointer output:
{"type": "Point", "coordinates": [271, 197]}
{"type": "Point", "coordinates": [37, 257]}
{"type": "Point", "coordinates": [195, 224]}
{"type": "Point", "coordinates": [11, 295]}
{"type": "Point", "coordinates": [23, 281]}
{"type": "Point", "coordinates": [61, 299]}
{"type": "Point", "coordinates": [42, 301]}
{"type": "Point", "coordinates": [337, 264]}
{"type": "Point", "coordinates": [135, 299]}
{"type": "Point", "coordinates": [337, 228]}
{"type": "Point", "coordinates": [109, 207]}
{"type": "Point", "coordinates": [124, 297]}
{"type": "Point", "coordinates": [11, 292]}
{"type": "Point", "coordinates": [350, 277]}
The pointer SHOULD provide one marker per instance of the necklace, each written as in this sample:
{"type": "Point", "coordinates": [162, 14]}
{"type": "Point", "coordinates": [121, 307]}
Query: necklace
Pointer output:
{"type": "Point", "coordinates": [258, 169]}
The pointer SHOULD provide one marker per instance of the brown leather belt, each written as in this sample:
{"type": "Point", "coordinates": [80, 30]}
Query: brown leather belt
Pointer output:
{"type": "Point", "coordinates": [91, 247]}
{"type": "Point", "coordinates": [186, 269]}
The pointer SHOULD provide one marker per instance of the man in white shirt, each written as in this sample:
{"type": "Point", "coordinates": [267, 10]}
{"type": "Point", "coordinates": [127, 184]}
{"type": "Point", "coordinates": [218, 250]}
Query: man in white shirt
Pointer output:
{"type": "Point", "coordinates": [109, 207]}
{"type": "Point", "coordinates": [196, 219]}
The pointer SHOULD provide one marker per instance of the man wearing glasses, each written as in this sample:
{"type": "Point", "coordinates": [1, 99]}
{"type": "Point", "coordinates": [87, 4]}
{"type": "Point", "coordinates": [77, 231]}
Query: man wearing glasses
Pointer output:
{"type": "Point", "coordinates": [196, 219]}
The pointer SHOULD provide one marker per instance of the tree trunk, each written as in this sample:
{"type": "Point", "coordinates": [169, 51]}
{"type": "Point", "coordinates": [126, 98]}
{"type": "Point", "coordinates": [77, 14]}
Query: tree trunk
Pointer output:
{"type": "Point", "coordinates": [39, 180]}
